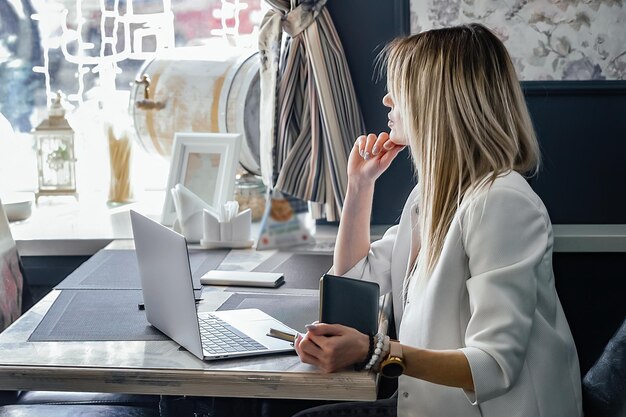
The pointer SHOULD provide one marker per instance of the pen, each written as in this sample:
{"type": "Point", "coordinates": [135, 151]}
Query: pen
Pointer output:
{"type": "Point", "coordinates": [279, 334]}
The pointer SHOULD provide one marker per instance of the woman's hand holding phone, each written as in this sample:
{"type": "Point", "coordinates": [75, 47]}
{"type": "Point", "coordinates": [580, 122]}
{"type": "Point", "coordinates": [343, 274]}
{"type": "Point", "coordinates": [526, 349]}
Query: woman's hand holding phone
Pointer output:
{"type": "Point", "coordinates": [331, 347]}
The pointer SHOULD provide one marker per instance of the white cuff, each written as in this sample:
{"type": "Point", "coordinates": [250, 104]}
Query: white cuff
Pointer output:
{"type": "Point", "coordinates": [489, 380]}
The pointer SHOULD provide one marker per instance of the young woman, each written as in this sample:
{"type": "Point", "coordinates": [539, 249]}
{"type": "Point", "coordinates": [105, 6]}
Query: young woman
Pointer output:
{"type": "Point", "coordinates": [481, 329]}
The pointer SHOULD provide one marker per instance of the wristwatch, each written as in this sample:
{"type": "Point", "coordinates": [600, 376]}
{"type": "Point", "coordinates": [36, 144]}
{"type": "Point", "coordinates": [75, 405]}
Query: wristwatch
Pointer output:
{"type": "Point", "coordinates": [393, 365]}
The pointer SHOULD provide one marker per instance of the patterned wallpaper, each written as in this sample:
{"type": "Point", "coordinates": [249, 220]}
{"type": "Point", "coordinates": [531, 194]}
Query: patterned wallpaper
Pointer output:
{"type": "Point", "coordinates": [547, 39]}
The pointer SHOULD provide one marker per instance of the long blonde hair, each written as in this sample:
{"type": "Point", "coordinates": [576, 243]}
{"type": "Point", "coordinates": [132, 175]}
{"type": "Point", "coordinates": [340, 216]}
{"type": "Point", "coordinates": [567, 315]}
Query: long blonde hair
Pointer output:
{"type": "Point", "coordinates": [464, 116]}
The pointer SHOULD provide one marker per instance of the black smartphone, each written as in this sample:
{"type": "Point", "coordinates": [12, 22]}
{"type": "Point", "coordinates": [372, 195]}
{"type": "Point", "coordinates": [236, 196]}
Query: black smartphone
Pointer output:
{"type": "Point", "coordinates": [350, 302]}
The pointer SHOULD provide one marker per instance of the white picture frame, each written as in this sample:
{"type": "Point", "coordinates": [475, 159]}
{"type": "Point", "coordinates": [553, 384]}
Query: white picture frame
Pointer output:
{"type": "Point", "coordinates": [206, 164]}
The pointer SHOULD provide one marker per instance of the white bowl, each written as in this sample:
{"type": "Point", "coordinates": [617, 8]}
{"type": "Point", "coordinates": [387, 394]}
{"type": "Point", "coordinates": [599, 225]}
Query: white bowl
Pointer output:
{"type": "Point", "coordinates": [18, 206]}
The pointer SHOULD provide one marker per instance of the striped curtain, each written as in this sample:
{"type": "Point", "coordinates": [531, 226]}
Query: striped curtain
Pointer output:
{"type": "Point", "coordinates": [309, 113]}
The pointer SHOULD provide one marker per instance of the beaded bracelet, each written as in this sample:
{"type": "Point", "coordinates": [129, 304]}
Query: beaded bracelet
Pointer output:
{"type": "Point", "coordinates": [370, 351]}
{"type": "Point", "coordinates": [385, 352]}
{"type": "Point", "coordinates": [380, 341]}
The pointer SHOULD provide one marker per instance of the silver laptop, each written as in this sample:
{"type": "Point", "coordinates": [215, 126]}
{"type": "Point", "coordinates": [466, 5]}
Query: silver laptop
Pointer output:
{"type": "Point", "coordinates": [170, 305]}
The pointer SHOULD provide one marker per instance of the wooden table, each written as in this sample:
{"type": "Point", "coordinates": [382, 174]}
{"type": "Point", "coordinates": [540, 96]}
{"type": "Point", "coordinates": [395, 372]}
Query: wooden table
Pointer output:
{"type": "Point", "coordinates": [161, 367]}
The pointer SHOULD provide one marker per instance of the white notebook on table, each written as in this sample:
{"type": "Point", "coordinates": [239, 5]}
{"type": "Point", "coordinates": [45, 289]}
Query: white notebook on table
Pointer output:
{"type": "Point", "coordinates": [242, 278]}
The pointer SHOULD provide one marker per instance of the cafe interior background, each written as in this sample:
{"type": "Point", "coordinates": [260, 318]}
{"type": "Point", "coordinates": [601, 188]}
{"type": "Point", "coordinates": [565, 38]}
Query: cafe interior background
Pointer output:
{"type": "Point", "coordinates": [568, 50]}
{"type": "Point", "coordinates": [42, 51]}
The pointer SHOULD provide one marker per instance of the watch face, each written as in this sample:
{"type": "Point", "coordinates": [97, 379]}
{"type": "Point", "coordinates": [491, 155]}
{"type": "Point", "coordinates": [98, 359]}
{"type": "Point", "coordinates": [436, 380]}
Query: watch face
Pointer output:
{"type": "Point", "coordinates": [392, 370]}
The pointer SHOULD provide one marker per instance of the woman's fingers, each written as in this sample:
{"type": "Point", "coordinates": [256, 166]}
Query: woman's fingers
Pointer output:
{"type": "Point", "coordinates": [360, 144]}
{"type": "Point", "coordinates": [324, 329]}
{"type": "Point", "coordinates": [369, 144]}
{"type": "Point", "coordinates": [366, 165]}
{"type": "Point", "coordinates": [390, 155]}
{"type": "Point", "coordinates": [297, 344]}
{"type": "Point", "coordinates": [372, 145]}
{"type": "Point", "coordinates": [331, 347]}
{"type": "Point", "coordinates": [312, 354]}
{"type": "Point", "coordinates": [379, 144]}
{"type": "Point", "coordinates": [304, 345]}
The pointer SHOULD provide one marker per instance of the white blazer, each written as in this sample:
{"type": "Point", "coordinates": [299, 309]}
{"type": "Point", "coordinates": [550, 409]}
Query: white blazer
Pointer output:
{"type": "Point", "coordinates": [492, 296]}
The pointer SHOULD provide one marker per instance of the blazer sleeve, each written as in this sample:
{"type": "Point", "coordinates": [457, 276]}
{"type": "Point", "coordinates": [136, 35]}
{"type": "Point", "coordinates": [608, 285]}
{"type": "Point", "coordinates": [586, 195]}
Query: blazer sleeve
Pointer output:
{"type": "Point", "coordinates": [506, 236]}
{"type": "Point", "coordinates": [376, 266]}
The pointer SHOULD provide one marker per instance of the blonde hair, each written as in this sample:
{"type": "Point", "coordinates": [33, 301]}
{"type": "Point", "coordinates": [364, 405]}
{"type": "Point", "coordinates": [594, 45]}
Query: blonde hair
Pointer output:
{"type": "Point", "coordinates": [464, 116]}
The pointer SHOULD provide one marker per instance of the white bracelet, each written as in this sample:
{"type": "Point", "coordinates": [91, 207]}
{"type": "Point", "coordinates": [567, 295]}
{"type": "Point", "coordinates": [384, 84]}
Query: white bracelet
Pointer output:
{"type": "Point", "coordinates": [385, 352]}
{"type": "Point", "coordinates": [380, 342]}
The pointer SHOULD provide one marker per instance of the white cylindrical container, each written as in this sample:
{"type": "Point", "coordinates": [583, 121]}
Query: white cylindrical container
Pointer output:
{"type": "Point", "coordinates": [198, 89]}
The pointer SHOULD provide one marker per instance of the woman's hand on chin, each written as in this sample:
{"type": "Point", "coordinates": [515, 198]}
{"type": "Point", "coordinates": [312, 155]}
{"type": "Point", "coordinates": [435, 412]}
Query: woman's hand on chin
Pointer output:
{"type": "Point", "coordinates": [371, 155]}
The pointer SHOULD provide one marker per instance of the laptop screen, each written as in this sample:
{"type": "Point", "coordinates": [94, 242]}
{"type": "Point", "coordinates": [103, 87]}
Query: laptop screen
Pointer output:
{"type": "Point", "coordinates": [166, 281]}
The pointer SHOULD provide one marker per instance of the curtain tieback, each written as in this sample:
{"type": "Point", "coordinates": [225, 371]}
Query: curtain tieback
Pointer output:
{"type": "Point", "coordinates": [302, 16]}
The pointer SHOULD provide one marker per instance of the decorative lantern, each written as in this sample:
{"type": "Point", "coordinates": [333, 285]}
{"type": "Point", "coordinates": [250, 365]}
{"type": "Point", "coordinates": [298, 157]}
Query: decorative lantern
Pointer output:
{"type": "Point", "coordinates": [55, 153]}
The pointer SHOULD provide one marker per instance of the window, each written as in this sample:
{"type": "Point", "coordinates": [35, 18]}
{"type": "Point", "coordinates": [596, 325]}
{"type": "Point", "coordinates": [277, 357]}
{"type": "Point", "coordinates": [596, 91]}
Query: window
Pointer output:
{"type": "Point", "coordinates": [76, 46]}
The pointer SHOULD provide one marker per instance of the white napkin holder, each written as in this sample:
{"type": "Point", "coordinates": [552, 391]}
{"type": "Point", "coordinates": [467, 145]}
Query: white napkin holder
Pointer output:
{"type": "Point", "coordinates": [189, 208]}
{"type": "Point", "coordinates": [200, 223]}
{"type": "Point", "coordinates": [227, 231]}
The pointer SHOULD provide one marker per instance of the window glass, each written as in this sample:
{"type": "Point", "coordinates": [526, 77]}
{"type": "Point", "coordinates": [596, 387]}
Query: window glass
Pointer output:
{"type": "Point", "coordinates": [68, 45]}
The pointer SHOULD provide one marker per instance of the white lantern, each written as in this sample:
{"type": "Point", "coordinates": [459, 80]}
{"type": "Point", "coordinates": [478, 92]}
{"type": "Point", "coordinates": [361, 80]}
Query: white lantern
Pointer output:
{"type": "Point", "coordinates": [56, 163]}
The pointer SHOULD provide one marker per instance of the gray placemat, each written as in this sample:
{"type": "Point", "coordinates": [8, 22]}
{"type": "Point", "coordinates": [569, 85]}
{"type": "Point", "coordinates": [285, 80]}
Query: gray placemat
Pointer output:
{"type": "Point", "coordinates": [96, 315]}
{"type": "Point", "coordinates": [293, 310]}
{"type": "Point", "coordinates": [118, 269]}
{"type": "Point", "coordinates": [301, 270]}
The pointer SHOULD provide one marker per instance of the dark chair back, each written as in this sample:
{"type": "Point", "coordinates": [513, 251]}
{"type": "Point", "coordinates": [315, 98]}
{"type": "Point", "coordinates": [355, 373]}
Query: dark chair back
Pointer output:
{"type": "Point", "coordinates": [604, 386]}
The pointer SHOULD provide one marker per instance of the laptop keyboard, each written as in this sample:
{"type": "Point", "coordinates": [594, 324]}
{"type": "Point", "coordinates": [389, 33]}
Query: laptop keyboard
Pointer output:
{"type": "Point", "coordinates": [219, 337]}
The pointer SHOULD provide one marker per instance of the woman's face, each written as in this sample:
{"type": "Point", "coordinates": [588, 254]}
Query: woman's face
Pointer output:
{"type": "Point", "coordinates": [396, 135]}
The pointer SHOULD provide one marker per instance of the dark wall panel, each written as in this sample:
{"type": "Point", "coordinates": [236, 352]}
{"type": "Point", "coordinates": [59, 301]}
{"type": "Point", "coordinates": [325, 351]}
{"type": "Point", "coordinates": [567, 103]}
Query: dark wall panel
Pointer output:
{"type": "Point", "coordinates": [592, 289]}
{"type": "Point", "coordinates": [364, 27]}
{"type": "Point", "coordinates": [581, 127]}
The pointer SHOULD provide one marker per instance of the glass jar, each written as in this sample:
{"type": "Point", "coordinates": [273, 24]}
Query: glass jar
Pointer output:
{"type": "Point", "coordinates": [250, 193]}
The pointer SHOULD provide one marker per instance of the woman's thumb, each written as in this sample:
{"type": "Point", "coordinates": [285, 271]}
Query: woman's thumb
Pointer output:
{"type": "Point", "coordinates": [324, 329]}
